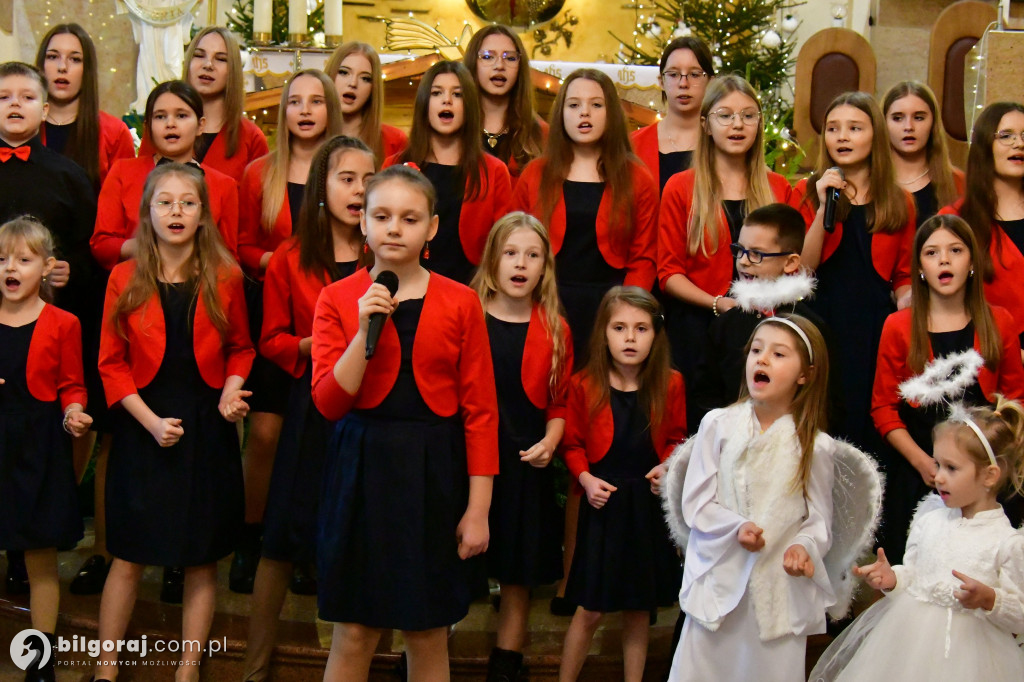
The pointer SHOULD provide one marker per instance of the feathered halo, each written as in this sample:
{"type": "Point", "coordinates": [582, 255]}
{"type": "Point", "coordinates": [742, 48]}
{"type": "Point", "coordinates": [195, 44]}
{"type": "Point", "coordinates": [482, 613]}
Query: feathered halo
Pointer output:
{"type": "Point", "coordinates": [944, 379]}
{"type": "Point", "coordinates": [758, 295]}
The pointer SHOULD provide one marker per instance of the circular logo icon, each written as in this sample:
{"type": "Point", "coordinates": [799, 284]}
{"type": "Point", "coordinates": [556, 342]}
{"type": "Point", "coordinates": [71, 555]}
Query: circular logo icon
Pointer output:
{"type": "Point", "coordinates": [28, 647]}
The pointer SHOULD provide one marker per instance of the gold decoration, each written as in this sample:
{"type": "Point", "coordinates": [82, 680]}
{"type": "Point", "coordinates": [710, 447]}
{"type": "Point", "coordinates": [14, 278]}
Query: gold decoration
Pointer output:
{"type": "Point", "coordinates": [518, 13]}
{"type": "Point", "coordinates": [413, 34]}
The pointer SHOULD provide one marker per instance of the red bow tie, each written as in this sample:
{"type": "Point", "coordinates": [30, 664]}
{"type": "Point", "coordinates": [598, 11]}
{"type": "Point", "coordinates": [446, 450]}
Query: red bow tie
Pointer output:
{"type": "Point", "coordinates": [21, 152]}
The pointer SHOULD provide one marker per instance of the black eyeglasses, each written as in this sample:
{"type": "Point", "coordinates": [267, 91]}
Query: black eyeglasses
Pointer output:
{"type": "Point", "coordinates": [753, 255]}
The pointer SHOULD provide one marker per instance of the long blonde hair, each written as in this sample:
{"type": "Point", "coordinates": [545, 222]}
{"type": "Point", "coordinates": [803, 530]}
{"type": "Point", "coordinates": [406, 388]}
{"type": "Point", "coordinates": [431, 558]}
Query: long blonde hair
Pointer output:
{"type": "Point", "coordinates": [706, 212]}
{"type": "Point", "coordinates": [545, 294]}
{"type": "Point", "coordinates": [234, 89]}
{"type": "Point", "coordinates": [810, 405]}
{"type": "Point", "coordinates": [275, 172]}
{"type": "Point", "coordinates": [369, 126]}
{"type": "Point", "coordinates": [205, 266]}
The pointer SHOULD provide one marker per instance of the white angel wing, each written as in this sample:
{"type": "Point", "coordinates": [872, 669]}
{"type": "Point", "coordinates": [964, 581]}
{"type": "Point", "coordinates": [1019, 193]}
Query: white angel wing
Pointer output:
{"type": "Point", "coordinates": [672, 492]}
{"type": "Point", "coordinates": [856, 507]}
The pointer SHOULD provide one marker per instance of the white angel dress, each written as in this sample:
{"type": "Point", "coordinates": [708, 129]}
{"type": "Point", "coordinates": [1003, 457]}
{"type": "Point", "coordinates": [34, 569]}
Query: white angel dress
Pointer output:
{"type": "Point", "coordinates": [919, 631]}
{"type": "Point", "coordinates": [746, 618]}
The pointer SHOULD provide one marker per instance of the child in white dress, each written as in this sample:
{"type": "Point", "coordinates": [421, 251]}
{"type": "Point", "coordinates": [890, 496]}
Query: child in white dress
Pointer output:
{"type": "Point", "coordinates": [952, 607]}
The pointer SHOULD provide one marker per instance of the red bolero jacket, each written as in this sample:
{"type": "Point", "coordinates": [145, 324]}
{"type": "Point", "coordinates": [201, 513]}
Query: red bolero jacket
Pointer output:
{"type": "Point", "coordinates": [252, 144]}
{"type": "Point", "coordinates": [117, 211]}
{"type": "Point", "coordinates": [451, 360]}
{"type": "Point", "coordinates": [395, 140]}
{"type": "Point", "coordinates": [1007, 286]}
{"type": "Point", "coordinates": [712, 273]}
{"type": "Point", "coordinates": [289, 301]}
{"type": "Point", "coordinates": [479, 215]}
{"type": "Point", "coordinates": [253, 239]}
{"type": "Point", "coordinates": [130, 362]}
{"type": "Point", "coordinates": [588, 437]}
{"type": "Point", "coordinates": [637, 256]}
{"type": "Point", "coordinates": [890, 252]}
{"type": "Point", "coordinates": [892, 368]}
{"type": "Point", "coordinates": [537, 366]}
{"type": "Point", "coordinates": [645, 146]}
{"type": "Point", "coordinates": [115, 142]}
{"type": "Point", "coordinates": [54, 366]}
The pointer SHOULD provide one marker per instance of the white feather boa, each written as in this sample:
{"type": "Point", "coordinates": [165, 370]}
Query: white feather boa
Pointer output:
{"type": "Point", "coordinates": [944, 379]}
{"type": "Point", "coordinates": [760, 295]}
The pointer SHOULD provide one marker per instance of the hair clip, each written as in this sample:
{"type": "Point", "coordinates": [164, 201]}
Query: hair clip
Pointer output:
{"type": "Point", "coordinates": [412, 165]}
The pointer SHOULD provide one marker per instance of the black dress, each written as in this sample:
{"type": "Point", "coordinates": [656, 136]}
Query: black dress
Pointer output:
{"type": "Point", "coordinates": [447, 256]}
{"type": "Point", "coordinates": [394, 490]}
{"type": "Point", "coordinates": [926, 203]}
{"type": "Point", "coordinates": [624, 560]}
{"type": "Point", "coordinates": [525, 521]}
{"type": "Point", "coordinates": [671, 163]}
{"type": "Point", "coordinates": [182, 505]}
{"type": "Point", "coordinates": [289, 522]}
{"type": "Point", "coordinates": [584, 276]}
{"type": "Point", "coordinates": [37, 478]}
{"type": "Point", "coordinates": [904, 487]}
{"type": "Point", "coordinates": [854, 300]}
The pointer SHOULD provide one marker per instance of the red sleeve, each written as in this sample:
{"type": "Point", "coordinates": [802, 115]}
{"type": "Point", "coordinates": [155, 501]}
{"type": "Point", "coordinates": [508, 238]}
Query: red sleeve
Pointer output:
{"type": "Point", "coordinates": [110, 231]}
{"type": "Point", "coordinates": [71, 377]}
{"type": "Point", "coordinates": [801, 202]}
{"type": "Point", "coordinates": [952, 209]}
{"type": "Point", "coordinates": [250, 202]}
{"type": "Point", "coordinates": [524, 197]}
{"type": "Point", "coordinates": [889, 372]}
{"type": "Point", "coordinates": [256, 141]}
{"type": "Point", "coordinates": [278, 342]}
{"type": "Point", "coordinates": [329, 343]}
{"type": "Point", "coordinates": [1011, 370]}
{"type": "Point", "coordinates": [576, 421]}
{"type": "Point", "coordinates": [640, 266]}
{"type": "Point", "coordinates": [120, 144]}
{"type": "Point", "coordinates": [673, 426]}
{"type": "Point", "coordinates": [228, 223]}
{"type": "Point", "coordinates": [672, 219]}
{"type": "Point", "coordinates": [478, 397]}
{"type": "Point", "coordinates": [114, 370]}
{"type": "Point", "coordinates": [557, 406]}
{"type": "Point", "coordinates": [238, 347]}
{"type": "Point", "coordinates": [901, 269]}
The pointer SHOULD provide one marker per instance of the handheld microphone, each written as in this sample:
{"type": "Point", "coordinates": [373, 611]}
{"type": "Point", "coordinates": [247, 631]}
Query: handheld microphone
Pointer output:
{"type": "Point", "coordinates": [390, 280]}
{"type": "Point", "coordinates": [831, 199]}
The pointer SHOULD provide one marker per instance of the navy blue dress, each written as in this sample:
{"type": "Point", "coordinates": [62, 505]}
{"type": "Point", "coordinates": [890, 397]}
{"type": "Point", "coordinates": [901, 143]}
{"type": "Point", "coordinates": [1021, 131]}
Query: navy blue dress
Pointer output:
{"type": "Point", "coordinates": [446, 254]}
{"type": "Point", "coordinates": [37, 478]}
{"type": "Point", "coordinates": [395, 488]}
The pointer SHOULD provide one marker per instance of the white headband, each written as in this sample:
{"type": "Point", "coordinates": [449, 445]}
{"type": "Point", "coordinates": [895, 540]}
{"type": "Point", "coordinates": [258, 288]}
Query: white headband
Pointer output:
{"type": "Point", "coordinates": [960, 415]}
{"type": "Point", "coordinates": [796, 328]}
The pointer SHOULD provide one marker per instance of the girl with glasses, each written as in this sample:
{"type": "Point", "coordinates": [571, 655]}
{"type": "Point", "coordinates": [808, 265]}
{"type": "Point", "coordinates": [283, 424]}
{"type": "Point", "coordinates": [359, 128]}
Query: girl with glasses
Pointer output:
{"type": "Point", "coordinates": [666, 147]}
{"type": "Point", "coordinates": [993, 204]}
{"type": "Point", "coordinates": [702, 210]}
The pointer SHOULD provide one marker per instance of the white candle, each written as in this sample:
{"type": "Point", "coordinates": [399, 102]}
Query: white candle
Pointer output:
{"type": "Point", "coordinates": [332, 18]}
{"type": "Point", "coordinates": [297, 17]}
{"type": "Point", "coordinates": [262, 16]}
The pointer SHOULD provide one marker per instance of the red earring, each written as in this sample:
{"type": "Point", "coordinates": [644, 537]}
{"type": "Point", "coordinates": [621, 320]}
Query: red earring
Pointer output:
{"type": "Point", "coordinates": [426, 251]}
{"type": "Point", "coordinates": [366, 248]}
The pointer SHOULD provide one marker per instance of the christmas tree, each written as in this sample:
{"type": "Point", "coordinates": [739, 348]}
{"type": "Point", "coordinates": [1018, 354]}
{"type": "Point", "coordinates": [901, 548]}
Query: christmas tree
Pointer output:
{"type": "Point", "coordinates": [240, 20]}
{"type": "Point", "coordinates": [749, 37]}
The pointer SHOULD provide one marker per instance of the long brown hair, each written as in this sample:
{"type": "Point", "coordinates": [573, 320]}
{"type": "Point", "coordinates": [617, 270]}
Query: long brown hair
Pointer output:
{"type": "Point", "coordinates": [420, 134]}
{"type": "Point", "coordinates": [980, 203]}
{"type": "Point", "coordinates": [208, 263]}
{"type": "Point", "coordinates": [275, 172]}
{"type": "Point", "coordinates": [615, 164]}
{"type": "Point", "coordinates": [974, 296]}
{"type": "Point", "coordinates": [1003, 427]}
{"type": "Point", "coordinates": [888, 212]}
{"type": "Point", "coordinates": [369, 126]}
{"type": "Point", "coordinates": [234, 89]}
{"type": "Point", "coordinates": [940, 168]}
{"type": "Point", "coordinates": [656, 372]}
{"type": "Point", "coordinates": [706, 213]}
{"type": "Point", "coordinates": [545, 294]}
{"type": "Point", "coordinates": [809, 408]}
{"type": "Point", "coordinates": [313, 230]}
{"type": "Point", "coordinates": [83, 145]}
{"type": "Point", "coordinates": [520, 116]}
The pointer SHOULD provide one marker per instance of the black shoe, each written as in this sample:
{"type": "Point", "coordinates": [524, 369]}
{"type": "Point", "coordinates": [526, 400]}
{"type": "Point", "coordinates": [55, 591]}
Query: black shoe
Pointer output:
{"type": "Point", "coordinates": [402, 669]}
{"type": "Point", "coordinates": [173, 589]}
{"type": "Point", "coordinates": [17, 574]}
{"type": "Point", "coordinates": [45, 672]}
{"type": "Point", "coordinates": [91, 576]}
{"type": "Point", "coordinates": [560, 606]}
{"type": "Point", "coordinates": [504, 665]}
{"type": "Point", "coordinates": [303, 580]}
{"type": "Point", "coordinates": [246, 559]}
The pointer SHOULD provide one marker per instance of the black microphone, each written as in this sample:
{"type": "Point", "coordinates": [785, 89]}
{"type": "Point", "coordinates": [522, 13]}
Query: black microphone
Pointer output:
{"type": "Point", "coordinates": [831, 199]}
{"type": "Point", "coordinates": [390, 280]}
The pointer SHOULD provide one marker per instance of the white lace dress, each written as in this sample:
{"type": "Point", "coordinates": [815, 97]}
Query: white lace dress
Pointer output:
{"type": "Point", "coordinates": [919, 631]}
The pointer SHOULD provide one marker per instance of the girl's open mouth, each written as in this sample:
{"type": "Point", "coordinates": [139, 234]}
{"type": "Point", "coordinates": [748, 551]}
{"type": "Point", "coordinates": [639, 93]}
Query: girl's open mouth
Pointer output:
{"type": "Point", "coordinates": [761, 378]}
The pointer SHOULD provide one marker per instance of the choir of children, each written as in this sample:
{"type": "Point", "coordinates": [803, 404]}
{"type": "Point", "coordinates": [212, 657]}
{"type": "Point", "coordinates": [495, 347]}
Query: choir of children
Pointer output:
{"type": "Point", "coordinates": [415, 420]}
